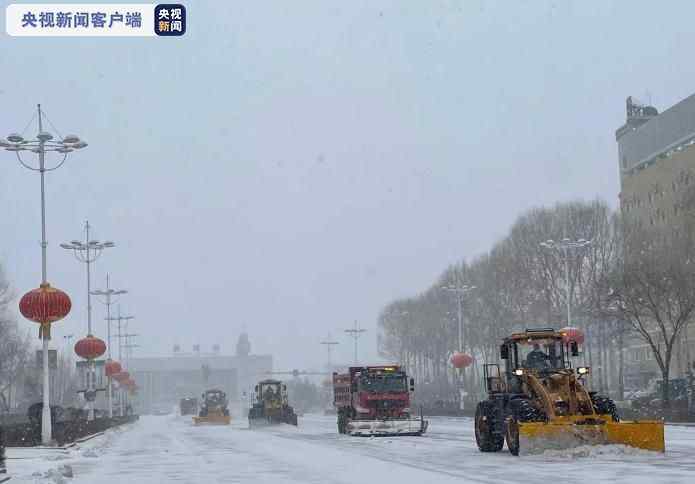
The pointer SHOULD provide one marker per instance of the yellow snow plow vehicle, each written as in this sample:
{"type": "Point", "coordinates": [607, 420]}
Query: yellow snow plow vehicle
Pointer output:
{"type": "Point", "coordinates": [540, 402]}
{"type": "Point", "coordinates": [271, 405]}
{"type": "Point", "coordinates": [213, 409]}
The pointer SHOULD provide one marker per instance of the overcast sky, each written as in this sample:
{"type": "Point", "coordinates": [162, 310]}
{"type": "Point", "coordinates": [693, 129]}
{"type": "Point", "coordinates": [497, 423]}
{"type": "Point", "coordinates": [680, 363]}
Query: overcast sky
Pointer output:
{"type": "Point", "coordinates": [290, 167]}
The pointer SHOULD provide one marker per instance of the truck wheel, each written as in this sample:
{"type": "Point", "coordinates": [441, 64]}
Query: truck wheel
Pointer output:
{"type": "Point", "coordinates": [605, 406]}
{"type": "Point", "coordinates": [485, 423]}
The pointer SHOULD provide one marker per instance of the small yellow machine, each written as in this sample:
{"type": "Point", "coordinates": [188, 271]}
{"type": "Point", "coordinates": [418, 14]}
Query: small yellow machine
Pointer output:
{"type": "Point", "coordinates": [541, 402]}
{"type": "Point", "coordinates": [213, 409]}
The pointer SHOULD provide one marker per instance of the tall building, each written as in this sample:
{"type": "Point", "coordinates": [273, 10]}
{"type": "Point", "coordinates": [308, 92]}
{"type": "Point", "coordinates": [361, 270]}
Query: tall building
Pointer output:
{"type": "Point", "coordinates": [656, 157]}
{"type": "Point", "coordinates": [657, 161]}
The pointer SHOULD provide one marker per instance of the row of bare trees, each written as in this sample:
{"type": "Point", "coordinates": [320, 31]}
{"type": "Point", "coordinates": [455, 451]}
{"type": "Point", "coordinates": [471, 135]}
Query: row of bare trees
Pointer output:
{"type": "Point", "coordinates": [631, 283]}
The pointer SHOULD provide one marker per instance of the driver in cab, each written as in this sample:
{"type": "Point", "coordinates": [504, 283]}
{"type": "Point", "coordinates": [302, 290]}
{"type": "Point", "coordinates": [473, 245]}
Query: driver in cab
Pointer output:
{"type": "Point", "coordinates": [537, 359]}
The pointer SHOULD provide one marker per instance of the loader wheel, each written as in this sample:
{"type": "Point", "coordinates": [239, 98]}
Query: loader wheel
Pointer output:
{"type": "Point", "coordinates": [512, 435]}
{"type": "Point", "coordinates": [485, 420]}
{"type": "Point", "coordinates": [605, 406]}
{"type": "Point", "coordinates": [521, 410]}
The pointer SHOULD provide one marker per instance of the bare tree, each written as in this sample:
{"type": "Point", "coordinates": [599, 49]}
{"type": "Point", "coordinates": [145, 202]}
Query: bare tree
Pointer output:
{"type": "Point", "coordinates": [654, 289]}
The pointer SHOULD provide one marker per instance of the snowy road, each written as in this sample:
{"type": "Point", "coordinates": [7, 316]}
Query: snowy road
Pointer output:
{"type": "Point", "coordinates": [170, 449]}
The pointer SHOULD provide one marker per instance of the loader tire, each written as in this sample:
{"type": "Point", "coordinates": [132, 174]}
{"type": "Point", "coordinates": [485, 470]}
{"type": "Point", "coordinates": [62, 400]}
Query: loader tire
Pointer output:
{"type": "Point", "coordinates": [520, 410]}
{"type": "Point", "coordinates": [341, 423]}
{"type": "Point", "coordinates": [605, 406]}
{"type": "Point", "coordinates": [485, 423]}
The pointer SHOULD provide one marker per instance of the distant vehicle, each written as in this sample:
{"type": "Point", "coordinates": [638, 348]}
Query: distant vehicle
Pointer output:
{"type": "Point", "coordinates": [649, 402]}
{"type": "Point", "coordinates": [375, 400]}
{"type": "Point", "coordinates": [271, 405]}
{"type": "Point", "coordinates": [213, 409]}
{"type": "Point", "coordinates": [188, 406]}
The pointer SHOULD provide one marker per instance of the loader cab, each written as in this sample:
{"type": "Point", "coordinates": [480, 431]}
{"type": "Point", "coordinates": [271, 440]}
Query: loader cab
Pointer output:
{"type": "Point", "coordinates": [271, 392]}
{"type": "Point", "coordinates": [542, 350]}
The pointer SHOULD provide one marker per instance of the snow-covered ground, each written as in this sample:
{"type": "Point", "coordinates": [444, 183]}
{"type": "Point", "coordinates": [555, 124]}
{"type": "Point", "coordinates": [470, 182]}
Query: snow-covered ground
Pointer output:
{"type": "Point", "coordinates": [170, 449]}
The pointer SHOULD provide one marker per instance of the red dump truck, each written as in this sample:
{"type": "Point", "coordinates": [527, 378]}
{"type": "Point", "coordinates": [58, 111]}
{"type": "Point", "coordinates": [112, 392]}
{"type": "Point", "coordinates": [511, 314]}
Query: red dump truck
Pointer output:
{"type": "Point", "coordinates": [375, 400]}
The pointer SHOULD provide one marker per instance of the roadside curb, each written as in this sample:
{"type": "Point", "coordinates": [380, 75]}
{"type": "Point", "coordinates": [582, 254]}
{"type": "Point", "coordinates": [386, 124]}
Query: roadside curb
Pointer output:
{"type": "Point", "coordinates": [57, 447]}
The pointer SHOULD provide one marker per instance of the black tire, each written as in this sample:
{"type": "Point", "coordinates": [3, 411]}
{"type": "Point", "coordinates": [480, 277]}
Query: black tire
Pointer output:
{"type": "Point", "coordinates": [511, 433]}
{"type": "Point", "coordinates": [520, 410]}
{"type": "Point", "coordinates": [341, 423]}
{"type": "Point", "coordinates": [605, 406]}
{"type": "Point", "coordinates": [485, 423]}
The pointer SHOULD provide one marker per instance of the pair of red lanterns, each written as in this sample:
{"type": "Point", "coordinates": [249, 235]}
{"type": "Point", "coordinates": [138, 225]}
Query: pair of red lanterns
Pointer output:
{"type": "Point", "coordinates": [115, 371]}
{"type": "Point", "coordinates": [46, 305]}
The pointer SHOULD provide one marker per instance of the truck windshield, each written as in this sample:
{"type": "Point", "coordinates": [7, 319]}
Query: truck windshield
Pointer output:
{"type": "Point", "coordinates": [380, 384]}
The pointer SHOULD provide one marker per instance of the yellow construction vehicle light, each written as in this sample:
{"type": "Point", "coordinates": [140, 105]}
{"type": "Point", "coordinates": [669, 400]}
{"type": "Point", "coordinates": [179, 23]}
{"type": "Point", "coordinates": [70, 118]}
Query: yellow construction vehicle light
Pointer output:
{"type": "Point", "coordinates": [519, 372]}
{"type": "Point", "coordinates": [583, 370]}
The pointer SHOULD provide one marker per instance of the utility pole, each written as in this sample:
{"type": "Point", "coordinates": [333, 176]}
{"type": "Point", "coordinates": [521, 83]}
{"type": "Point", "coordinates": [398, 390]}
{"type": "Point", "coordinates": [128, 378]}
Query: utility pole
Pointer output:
{"type": "Point", "coordinates": [355, 334]}
{"type": "Point", "coordinates": [108, 294]}
{"type": "Point", "coordinates": [328, 343]}
{"type": "Point", "coordinates": [120, 318]}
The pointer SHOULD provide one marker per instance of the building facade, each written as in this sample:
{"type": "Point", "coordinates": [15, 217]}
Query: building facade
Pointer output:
{"type": "Point", "coordinates": [656, 158]}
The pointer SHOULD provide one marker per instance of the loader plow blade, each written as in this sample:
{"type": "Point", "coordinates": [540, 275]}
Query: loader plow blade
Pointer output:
{"type": "Point", "coordinates": [647, 434]}
{"type": "Point", "coordinates": [213, 420]}
{"type": "Point", "coordinates": [537, 437]}
{"type": "Point", "coordinates": [386, 428]}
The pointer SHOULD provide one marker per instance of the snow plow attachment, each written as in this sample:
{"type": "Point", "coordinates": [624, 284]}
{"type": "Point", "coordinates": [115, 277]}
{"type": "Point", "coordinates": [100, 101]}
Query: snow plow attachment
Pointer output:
{"type": "Point", "coordinates": [537, 437]}
{"type": "Point", "coordinates": [213, 420]}
{"type": "Point", "coordinates": [385, 428]}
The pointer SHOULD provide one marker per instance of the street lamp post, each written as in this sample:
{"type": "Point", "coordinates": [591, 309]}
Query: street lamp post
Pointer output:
{"type": "Point", "coordinates": [564, 246]}
{"type": "Point", "coordinates": [108, 294]}
{"type": "Point", "coordinates": [42, 144]}
{"type": "Point", "coordinates": [88, 252]}
{"type": "Point", "coordinates": [355, 334]}
{"type": "Point", "coordinates": [460, 290]}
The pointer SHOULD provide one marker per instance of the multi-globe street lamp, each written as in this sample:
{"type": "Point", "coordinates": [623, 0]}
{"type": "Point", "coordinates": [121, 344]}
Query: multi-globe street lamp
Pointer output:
{"type": "Point", "coordinates": [44, 305]}
{"type": "Point", "coordinates": [564, 247]}
{"type": "Point", "coordinates": [108, 294]}
{"type": "Point", "coordinates": [88, 252]}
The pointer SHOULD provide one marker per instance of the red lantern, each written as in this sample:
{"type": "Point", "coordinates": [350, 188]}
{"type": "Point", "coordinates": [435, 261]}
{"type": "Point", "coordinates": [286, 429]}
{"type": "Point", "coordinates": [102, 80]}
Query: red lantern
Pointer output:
{"type": "Point", "coordinates": [461, 360]}
{"type": "Point", "coordinates": [90, 347]}
{"type": "Point", "coordinates": [45, 305]}
{"type": "Point", "coordinates": [121, 377]}
{"type": "Point", "coordinates": [112, 367]}
{"type": "Point", "coordinates": [570, 334]}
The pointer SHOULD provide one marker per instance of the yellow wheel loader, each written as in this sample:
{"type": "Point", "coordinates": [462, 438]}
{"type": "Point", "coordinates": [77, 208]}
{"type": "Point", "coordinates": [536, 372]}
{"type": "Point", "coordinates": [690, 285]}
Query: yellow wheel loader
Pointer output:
{"type": "Point", "coordinates": [271, 405]}
{"type": "Point", "coordinates": [540, 402]}
{"type": "Point", "coordinates": [213, 409]}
